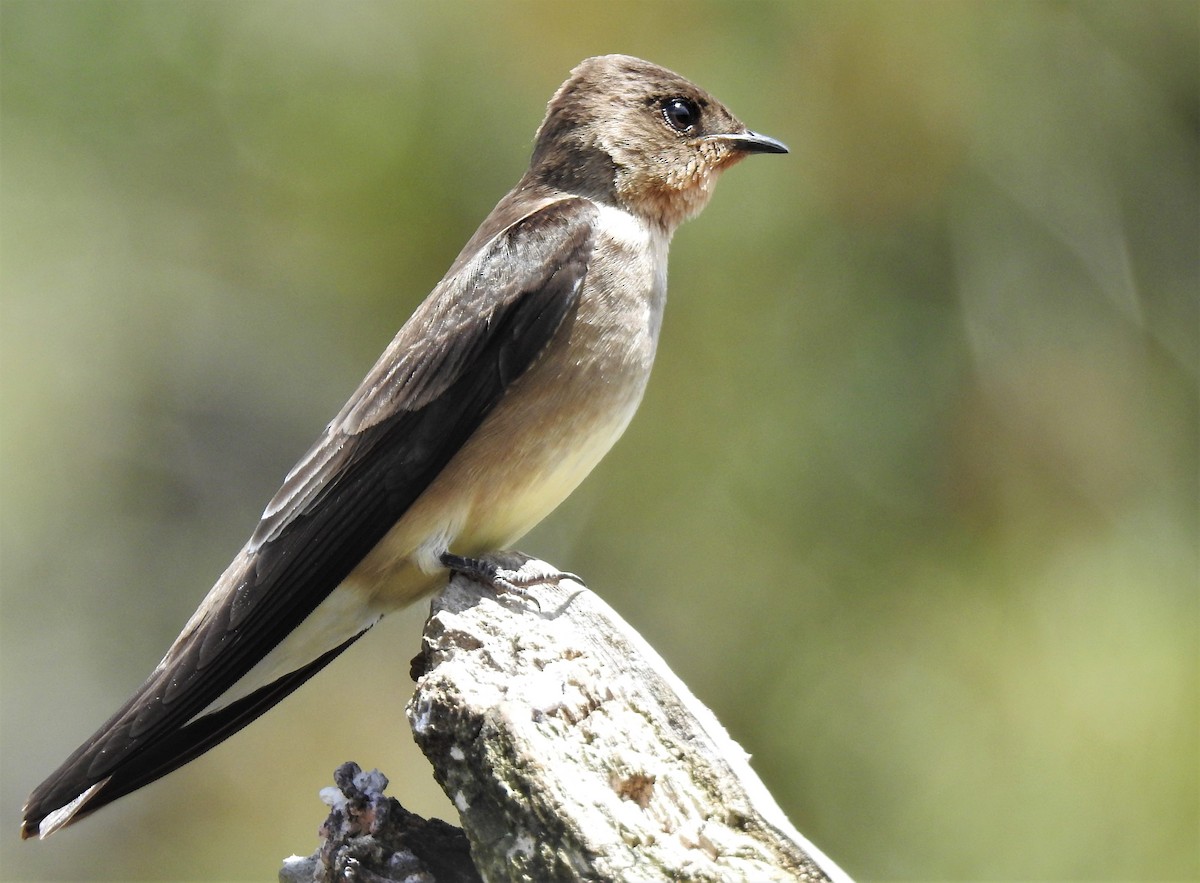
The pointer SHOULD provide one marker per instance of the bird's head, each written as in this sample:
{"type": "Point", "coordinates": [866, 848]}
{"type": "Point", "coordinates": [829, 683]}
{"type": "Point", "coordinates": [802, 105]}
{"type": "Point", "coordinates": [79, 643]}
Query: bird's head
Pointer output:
{"type": "Point", "coordinates": [626, 131]}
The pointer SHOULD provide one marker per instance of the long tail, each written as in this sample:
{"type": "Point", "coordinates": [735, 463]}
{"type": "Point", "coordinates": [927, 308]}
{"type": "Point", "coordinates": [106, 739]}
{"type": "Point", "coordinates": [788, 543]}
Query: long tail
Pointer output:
{"type": "Point", "coordinates": [75, 789]}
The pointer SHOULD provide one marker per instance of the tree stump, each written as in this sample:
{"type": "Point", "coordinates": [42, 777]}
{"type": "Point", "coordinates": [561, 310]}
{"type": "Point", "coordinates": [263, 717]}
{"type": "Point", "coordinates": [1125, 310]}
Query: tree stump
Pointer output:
{"type": "Point", "coordinates": [573, 753]}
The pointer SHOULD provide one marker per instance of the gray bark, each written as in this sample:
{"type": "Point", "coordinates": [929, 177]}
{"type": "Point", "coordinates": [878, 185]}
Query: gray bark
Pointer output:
{"type": "Point", "coordinates": [573, 753]}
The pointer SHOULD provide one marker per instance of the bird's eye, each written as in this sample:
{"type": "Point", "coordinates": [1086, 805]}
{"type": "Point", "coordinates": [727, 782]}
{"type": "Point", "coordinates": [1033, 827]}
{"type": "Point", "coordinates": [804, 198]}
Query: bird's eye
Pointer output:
{"type": "Point", "coordinates": [681, 114]}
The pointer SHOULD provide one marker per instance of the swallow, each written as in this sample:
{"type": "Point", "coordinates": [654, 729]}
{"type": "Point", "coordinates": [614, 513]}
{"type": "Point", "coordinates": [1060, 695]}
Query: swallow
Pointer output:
{"type": "Point", "coordinates": [499, 395]}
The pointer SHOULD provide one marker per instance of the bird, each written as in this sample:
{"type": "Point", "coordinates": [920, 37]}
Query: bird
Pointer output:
{"type": "Point", "coordinates": [496, 398]}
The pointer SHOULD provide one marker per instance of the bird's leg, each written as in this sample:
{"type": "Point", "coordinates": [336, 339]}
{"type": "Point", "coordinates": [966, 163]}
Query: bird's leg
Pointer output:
{"type": "Point", "coordinates": [503, 579]}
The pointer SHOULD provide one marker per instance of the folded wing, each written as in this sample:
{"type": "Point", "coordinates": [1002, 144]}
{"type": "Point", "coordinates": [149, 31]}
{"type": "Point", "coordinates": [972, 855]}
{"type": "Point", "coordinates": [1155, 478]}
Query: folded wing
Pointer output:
{"type": "Point", "coordinates": [444, 372]}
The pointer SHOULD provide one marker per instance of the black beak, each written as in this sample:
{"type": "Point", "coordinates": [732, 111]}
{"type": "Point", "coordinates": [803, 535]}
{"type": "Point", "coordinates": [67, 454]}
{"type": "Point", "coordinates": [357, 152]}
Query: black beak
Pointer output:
{"type": "Point", "coordinates": [752, 142]}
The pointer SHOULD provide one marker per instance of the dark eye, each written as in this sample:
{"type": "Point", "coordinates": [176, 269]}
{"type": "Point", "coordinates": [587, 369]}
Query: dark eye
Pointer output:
{"type": "Point", "coordinates": [681, 114]}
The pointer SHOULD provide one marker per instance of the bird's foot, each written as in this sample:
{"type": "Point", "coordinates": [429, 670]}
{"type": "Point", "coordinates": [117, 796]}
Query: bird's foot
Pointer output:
{"type": "Point", "coordinates": [503, 579]}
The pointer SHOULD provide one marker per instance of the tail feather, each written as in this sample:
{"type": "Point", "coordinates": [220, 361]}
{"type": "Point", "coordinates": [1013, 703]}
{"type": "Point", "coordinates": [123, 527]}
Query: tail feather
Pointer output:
{"type": "Point", "coordinates": [71, 793]}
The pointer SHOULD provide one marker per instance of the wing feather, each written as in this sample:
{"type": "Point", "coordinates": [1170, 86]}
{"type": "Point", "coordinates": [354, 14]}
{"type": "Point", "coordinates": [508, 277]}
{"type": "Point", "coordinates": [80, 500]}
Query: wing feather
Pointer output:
{"type": "Point", "coordinates": [443, 373]}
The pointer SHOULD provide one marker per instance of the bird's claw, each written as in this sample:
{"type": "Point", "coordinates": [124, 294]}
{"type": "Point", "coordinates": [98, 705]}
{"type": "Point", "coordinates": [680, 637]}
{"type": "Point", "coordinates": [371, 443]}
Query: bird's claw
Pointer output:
{"type": "Point", "coordinates": [502, 579]}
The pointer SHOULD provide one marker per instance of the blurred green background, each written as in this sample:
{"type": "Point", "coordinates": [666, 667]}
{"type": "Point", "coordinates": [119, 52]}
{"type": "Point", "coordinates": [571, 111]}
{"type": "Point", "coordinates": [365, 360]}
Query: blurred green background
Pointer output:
{"type": "Point", "coordinates": [912, 498]}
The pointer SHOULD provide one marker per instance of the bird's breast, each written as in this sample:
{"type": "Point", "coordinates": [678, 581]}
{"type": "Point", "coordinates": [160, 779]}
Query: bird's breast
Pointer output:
{"type": "Point", "coordinates": [553, 424]}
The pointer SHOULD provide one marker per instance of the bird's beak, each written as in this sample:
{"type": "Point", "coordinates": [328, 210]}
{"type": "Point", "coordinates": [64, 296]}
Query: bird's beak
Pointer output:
{"type": "Point", "coordinates": [751, 142]}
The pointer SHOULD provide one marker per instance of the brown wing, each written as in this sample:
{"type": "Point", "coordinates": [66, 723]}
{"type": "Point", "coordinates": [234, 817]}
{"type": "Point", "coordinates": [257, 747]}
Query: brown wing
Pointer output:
{"type": "Point", "coordinates": [443, 373]}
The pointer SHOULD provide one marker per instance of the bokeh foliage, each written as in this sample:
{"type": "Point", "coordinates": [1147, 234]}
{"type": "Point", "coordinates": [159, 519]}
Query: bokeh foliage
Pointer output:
{"type": "Point", "coordinates": [911, 501]}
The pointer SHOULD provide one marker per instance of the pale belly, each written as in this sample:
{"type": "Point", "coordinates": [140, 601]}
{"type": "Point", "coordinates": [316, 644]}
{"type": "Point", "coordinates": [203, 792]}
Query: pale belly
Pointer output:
{"type": "Point", "coordinates": [526, 458]}
{"type": "Point", "coordinates": [551, 429]}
